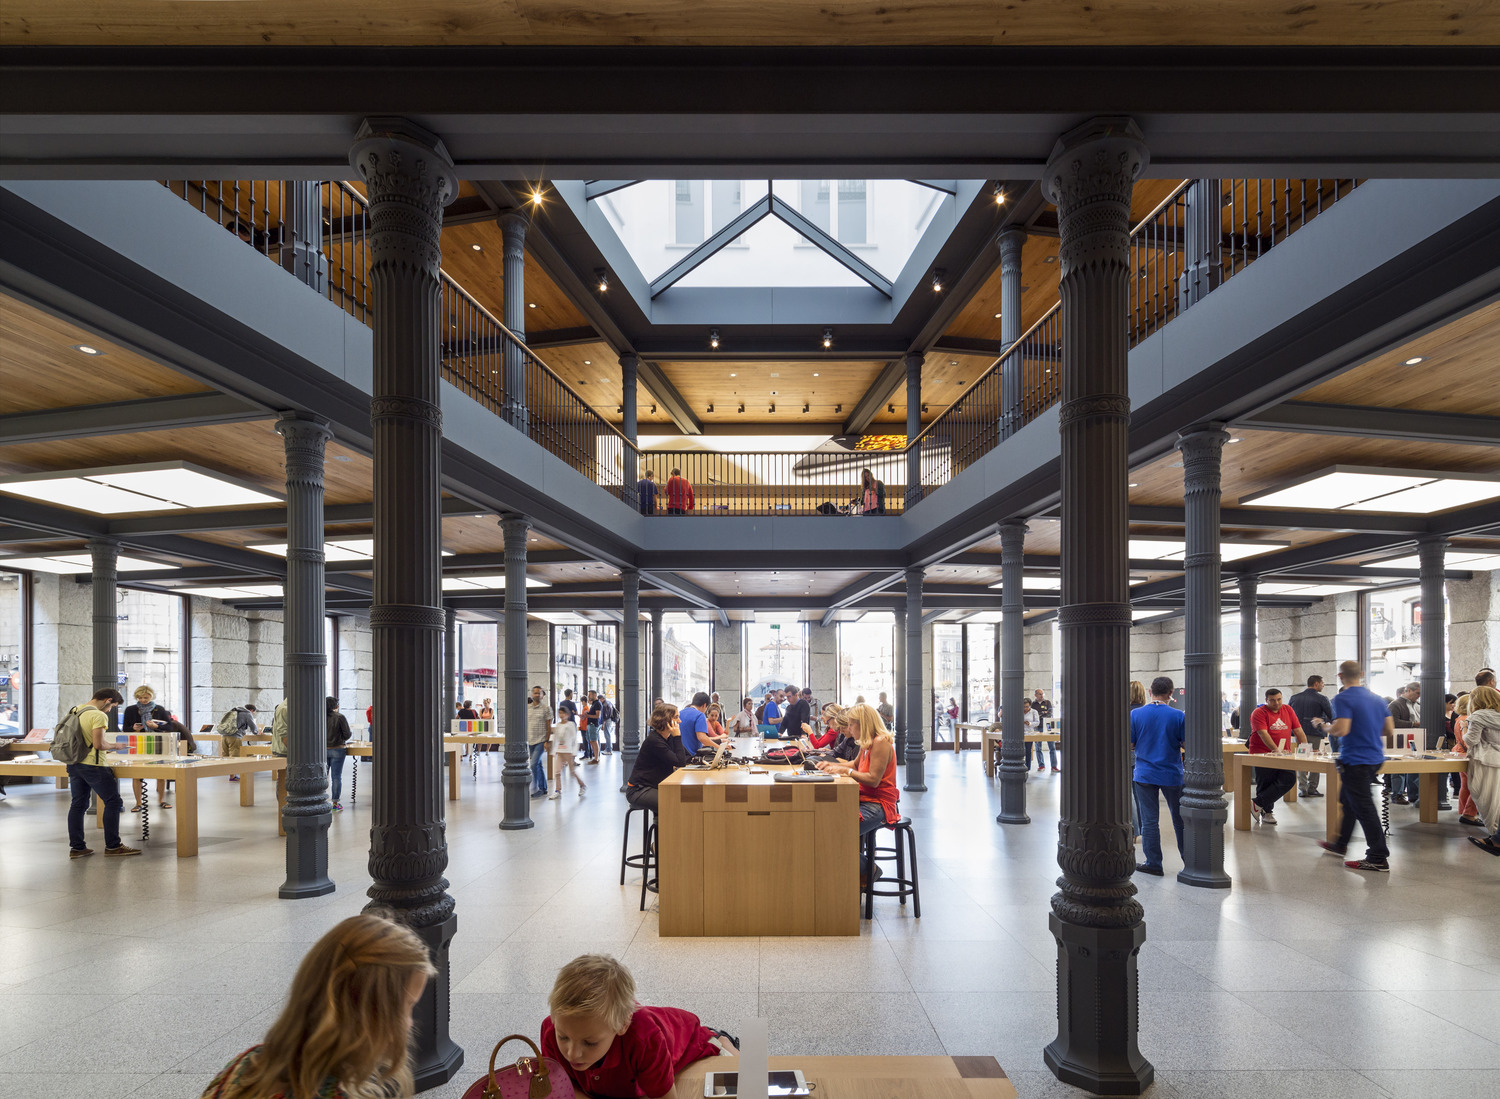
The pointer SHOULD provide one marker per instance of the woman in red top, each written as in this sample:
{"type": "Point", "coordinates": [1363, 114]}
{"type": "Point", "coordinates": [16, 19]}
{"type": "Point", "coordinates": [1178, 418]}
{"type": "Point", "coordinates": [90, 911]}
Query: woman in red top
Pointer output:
{"type": "Point", "coordinates": [833, 725]}
{"type": "Point", "coordinates": [874, 770]}
{"type": "Point", "coordinates": [679, 494]}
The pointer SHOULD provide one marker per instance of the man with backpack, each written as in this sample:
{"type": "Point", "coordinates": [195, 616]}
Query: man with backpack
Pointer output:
{"type": "Point", "coordinates": [233, 728]}
{"type": "Point", "coordinates": [607, 724]}
{"type": "Point", "coordinates": [78, 742]}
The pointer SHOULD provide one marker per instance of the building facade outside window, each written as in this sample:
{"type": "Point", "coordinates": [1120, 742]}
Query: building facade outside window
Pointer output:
{"type": "Point", "coordinates": [14, 716]}
{"type": "Point", "coordinates": [775, 654]}
{"type": "Point", "coordinates": [478, 663]}
{"type": "Point", "coordinates": [851, 212]}
{"type": "Point", "coordinates": [150, 638]}
{"type": "Point", "coordinates": [1393, 634]}
{"type": "Point", "coordinates": [687, 214]}
{"type": "Point", "coordinates": [867, 660]}
{"type": "Point", "coordinates": [687, 658]}
{"type": "Point", "coordinates": [979, 702]}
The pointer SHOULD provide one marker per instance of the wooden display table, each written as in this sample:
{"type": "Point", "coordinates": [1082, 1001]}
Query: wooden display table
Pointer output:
{"type": "Point", "coordinates": [1429, 770]}
{"type": "Point", "coordinates": [364, 749]}
{"type": "Point", "coordinates": [184, 772]}
{"type": "Point", "coordinates": [742, 854]}
{"type": "Point", "coordinates": [1233, 747]}
{"type": "Point", "coordinates": [961, 731]}
{"type": "Point", "coordinates": [872, 1077]}
{"type": "Point", "coordinates": [990, 753]}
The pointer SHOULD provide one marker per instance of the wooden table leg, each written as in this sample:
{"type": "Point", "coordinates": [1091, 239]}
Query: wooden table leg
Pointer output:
{"type": "Point", "coordinates": [1241, 795]}
{"type": "Point", "coordinates": [187, 816]}
{"type": "Point", "coordinates": [62, 782]}
{"type": "Point", "coordinates": [247, 788]}
{"type": "Point", "coordinates": [452, 755]}
{"type": "Point", "coordinates": [1333, 810]}
{"type": "Point", "coordinates": [1427, 789]}
{"type": "Point", "coordinates": [1291, 795]}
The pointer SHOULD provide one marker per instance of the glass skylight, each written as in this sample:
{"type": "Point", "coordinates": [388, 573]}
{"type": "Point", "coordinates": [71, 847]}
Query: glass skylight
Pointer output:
{"type": "Point", "coordinates": [1358, 488]}
{"type": "Point", "coordinates": [241, 591]}
{"type": "Point", "coordinates": [159, 486]}
{"type": "Point", "coordinates": [488, 582]}
{"type": "Point", "coordinates": [77, 564]}
{"type": "Point", "coordinates": [1175, 549]}
{"type": "Point", "coordinates": [1453, 559]}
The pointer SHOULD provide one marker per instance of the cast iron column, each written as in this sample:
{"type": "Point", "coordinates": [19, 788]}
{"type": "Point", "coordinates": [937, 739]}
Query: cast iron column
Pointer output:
{"type": "Point", "coordinates": [450, 667]}
{"type": "Point", "coordinates": [303, 254]}
{"type": "Point", "coordinates": [1095, 918]}
{"type": "Point", "coordinates": [106, 559]}
{"type": "Point", "coordinates": [1011, 242]}
{"type": "Point", "coordinates": [1434, 678]}
{"type": "Point", "coordinates": [307, 813]}
{"type": "Point", "coordinates": [899, 687]}
{"type": "Point", "coordinates": [1202, 233]}
{"type": "Point", "coordinates": [656, 658]}
{"type": "Point", "coordinates": [917, 709]}
{"type": "Point", "coordinates": [1204, 811]}
{"type": "Point", "coordinates": [409, 178]}
{"type": "Point", "coordinates": [1012, 674]}
{"type": "Point", "coordinates": [513, 226]}
{"type": "Point", "coordinates": [630, 673]}
{"type": "Point", "coordinates": [913, 428]}
{"type": "Point", "coordinates": [1249, 658]}
{"type": "Point", "coordinates": [516, 777]}
{"type": "Point", "coordinates": [629, 369]}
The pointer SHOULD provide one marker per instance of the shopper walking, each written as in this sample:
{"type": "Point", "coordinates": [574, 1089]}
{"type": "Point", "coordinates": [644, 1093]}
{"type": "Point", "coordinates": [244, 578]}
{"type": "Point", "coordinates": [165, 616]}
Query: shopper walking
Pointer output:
{"type": "Point", "coordinates": [564, 752]}
{"type": "Point", "coordinates": [1362, 723]}
{"type": "Point", "coordinates": [1482, 738]}
{"type": "Point", "coordinates": [1157, 733]}
{"type": "Point", "coordinates": [1315, 713]}
{"type": "Point", "coordinates": [538, 727]}
{"type": "Point", "coordinates": [338, 737]}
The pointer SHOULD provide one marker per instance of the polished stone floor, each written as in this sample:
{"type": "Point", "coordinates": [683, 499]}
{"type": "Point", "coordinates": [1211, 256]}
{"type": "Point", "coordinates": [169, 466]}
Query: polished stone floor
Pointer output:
{"type": "Point", "coordinates": [141, 977]}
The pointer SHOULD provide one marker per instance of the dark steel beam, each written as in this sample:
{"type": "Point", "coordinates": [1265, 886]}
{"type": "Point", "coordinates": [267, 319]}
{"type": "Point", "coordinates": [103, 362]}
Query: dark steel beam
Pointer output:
{"type": "Point", "coordinates": [126, 417]}
{"type": "Point", "coordinates": [1252, 518]}
{"type": "Point", "coordinates": [598, 188]}
{"type": "Point", "coordinates": [969, 345]}
{"type": "Point", "coordinates": [833, 248]}
{"type": "Point", "coordinates": [202, 522]}
{"type": "Point", "coordinates": [1313, 418]}
{"type": "Point", "coordinates": [852, 593]}
{"type": "Point", "coordinates": [716, 241]}
{"type": "Point", "coordinates": [650, 375]}
{"type": "Point", "coordinates": [562, 337]}
{"type": "Point", "coordinates": [875, 398]}
{"type": "Point", "coordinates": [686, 589]}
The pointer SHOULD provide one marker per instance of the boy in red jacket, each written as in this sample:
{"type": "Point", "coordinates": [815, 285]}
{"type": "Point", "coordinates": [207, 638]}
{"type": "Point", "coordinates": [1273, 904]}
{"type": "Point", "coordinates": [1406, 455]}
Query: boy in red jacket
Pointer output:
{"type": "Point", "coordinates": [612, 1046]}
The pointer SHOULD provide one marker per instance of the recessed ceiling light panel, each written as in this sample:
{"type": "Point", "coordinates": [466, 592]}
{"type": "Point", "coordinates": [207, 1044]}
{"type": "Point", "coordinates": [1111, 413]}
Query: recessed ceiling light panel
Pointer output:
{"type": "Point", "coordinates": [157, 486]}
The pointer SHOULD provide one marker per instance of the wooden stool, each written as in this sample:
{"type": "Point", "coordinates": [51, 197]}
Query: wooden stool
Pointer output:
{"type": "Point", "coordinates": [900, 886]}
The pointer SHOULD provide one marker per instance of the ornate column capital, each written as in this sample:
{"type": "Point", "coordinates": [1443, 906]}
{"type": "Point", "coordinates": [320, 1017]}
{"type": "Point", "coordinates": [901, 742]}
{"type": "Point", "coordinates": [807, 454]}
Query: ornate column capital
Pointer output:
{"type": "Point", "coordinates": [1013, 534]}
{"type": "Point", "coordinates": [1011, 241]}
{"type": "Point", "coordinates": [1089, 177]}
{"type": "Point", "coordinates": [410, 178]}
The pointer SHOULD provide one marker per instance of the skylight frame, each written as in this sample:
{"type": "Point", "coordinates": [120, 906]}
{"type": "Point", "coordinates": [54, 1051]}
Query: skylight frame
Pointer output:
{"type": "Point", "coordinates": [154, 504]}
{"type": "Point", "coordinates": [1415, 478]}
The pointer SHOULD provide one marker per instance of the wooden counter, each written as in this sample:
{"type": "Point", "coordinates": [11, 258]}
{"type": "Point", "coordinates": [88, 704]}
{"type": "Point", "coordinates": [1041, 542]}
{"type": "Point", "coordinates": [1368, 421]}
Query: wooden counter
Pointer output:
{"type": "Point", "coordinates": [872, 1077]}
{"type": "Point", "coordinates": [742, 854]}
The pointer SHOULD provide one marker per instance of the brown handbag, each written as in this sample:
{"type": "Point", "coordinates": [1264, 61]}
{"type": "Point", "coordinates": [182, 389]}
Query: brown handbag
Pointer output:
{"type": "Point", "coordinates": [529, 1078]}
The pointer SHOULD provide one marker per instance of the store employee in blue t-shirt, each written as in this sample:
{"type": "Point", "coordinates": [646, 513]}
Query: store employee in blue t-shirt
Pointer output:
{"type": "Point", "coordinates": [1362, 722]}
{"type": "Point", "coordinates": [1157, 732]}
{"type": "Point", "coordinates": [694, 723]}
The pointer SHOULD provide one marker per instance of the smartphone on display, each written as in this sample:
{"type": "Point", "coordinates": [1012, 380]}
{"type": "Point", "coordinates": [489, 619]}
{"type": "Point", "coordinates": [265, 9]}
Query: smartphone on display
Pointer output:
{"type": "Point", "coordinates": [718, 1085]}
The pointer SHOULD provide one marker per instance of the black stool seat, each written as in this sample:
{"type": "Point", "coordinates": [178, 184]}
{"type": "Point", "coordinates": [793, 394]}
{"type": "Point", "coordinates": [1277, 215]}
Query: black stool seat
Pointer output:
{"type": "Point", "coordinates": [645, 861]}
{"type": "Point", "coordinates": [903, 848]}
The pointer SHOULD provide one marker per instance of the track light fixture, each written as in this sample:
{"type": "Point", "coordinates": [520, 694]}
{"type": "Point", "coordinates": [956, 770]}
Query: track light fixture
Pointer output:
{"type": "Point", "coordinates": [999, 195]}
{"type": "Point", "coordinates": [827, 338]}
{"type": "Point", "coordinates": [713, 338]}
{"type": "Point", "coordinates": [838, 408]}
{"type": "Point", "coordinates": [710, 408]}
{"type": "Point", "coordinates": [937, 281]}
{"type": "Point", "coordinates": [807, 408]}
{"type": "Point", "coordinates": [890, 408]}
{"type": "Point", "coordinates": [601, 280]}
{"type": "Point", "coordinates": [771, 409]}
{"type": "Point", "coordinates": [742, 407]}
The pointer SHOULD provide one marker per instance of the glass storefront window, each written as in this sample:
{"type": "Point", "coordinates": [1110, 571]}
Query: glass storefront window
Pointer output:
{"type": "Point", "coordinates": [150, 647]}
{"type": "Point", "coordinates": [479, 663]}
{"type": "Point", "coordinates": [981, 690]}
{"type": "Point", "coordinates": [13, 716]}
{"type": "Point", "coordinates": [687, 658]}
{"type": "Point", "coordinates": [1393, 630]}
{"type": "Point", "coordinates": [867, 661]}
{"type": "Point", "coordinates": [775, 656]}
{"type": "Point", "coordinates": [947, 675]}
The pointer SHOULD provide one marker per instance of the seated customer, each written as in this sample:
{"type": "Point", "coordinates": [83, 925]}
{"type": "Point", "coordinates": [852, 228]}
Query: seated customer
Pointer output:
{"type": "Point", "coordinates": [874, 769]}
{"type": "Point", "coordinates": [660, 754]}
{"type": "Point", "coordinates": [346, 1024]}
{"type": "Point", "coordinates": [833, 724]}
{"type": "Point", "coordinates": [609, 1044]}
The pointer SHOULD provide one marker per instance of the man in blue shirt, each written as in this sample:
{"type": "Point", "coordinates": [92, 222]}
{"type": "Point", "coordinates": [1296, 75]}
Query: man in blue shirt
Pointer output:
{"type": "Point", "coordinates": [773, 710]}
{"type": "Point", "coordinates": [1362, 722]}
{"type": "Point", "coordinates": [645, 490]}
{"type": "Point", "coordinates": [1157, 732]}
{"type": "Point", "coordinates": [694, 723]}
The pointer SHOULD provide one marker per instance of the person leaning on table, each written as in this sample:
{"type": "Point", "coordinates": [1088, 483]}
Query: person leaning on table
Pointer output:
{"type": "Point", "coordinates": [661, 753]}
{"type": "Point", "coordinates": [92, 774]}
{"type": "Point", "coordinates": [874, 769]}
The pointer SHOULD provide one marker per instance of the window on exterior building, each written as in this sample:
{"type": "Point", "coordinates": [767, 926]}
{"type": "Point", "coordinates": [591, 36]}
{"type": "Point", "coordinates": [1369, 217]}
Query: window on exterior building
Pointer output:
{"type": "Point", "coordinates": [815, 206]}
{"type": "Point", "coordinates": [727, 201]}
{"type": "Point", "coordinates": [687, 651]}
{"type": "Point", "coordinates": [150, 647]}
{"type": "Point", "coordinates": [603, 674]}
{"type": "Point", "coordinates": [947, 676]}
{"type": "Point", "coordinates": [980, 697]}
{"type": "Point", "coordinates": [775, 654]}
{"type": "Point", "coordinates": [852, 220]}
{"type": "Point", "coordinates": [14, 717]}
{"type": "Point", "coordinates": [331, 654]}
{"type": "Point", "coordinates": [1393, 632]}
{"type": "Point", "coordinates": [478, 663]}
{"type": "Point", "coordinates": [867, 661]}
{"type": "Point", "coordinates": [687, 215]}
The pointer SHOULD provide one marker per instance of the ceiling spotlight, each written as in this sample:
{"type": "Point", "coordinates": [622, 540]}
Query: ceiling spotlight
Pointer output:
{"type": "Point", "coordinates": [86, 349]}
{"type": "Point", "coordinates": [710, 408]}
{"type": "Point", "coordinates": [890, 408]}
{"type": "Point", "coordinates": [713, 338]}
{"type": "Point", "coordinates": [477, 247]}
{"type": "Point", "coordinates": [1135, 484]}
{"type": "Point", "coordinates": [774, 393]}
{"type": "Point", "coordinates": [601, 281]}
{"type": "Point", "coordinates": [827, 338]}
{"type": "Point", "coordinates": [997, 316]}
{"type": "Point", "coordinates": [838, 408]}
{"type": "Point", "coordinates": [531, 305]}
{"type": "Point", "coordinates": [732, 374]}
{"type": "Point", "coordinates": [999, 195]}
{"type": "Point", "coordinates": [815, 374]}
{"type": "Point", "coordinates": [1409, 362]}
{"type": "Point", "coordinates": [1049, 259]}
{"type": "Point", "coordinates": [536, 197]}
{"type": "Point", "coordinates": [1235, 439]}
{"type": "Point", "coordinates": [952, 362]}
{"type": "Point", "coordinates": [588, 362]}
{"type": "Point", "coordinates": [937, 281]}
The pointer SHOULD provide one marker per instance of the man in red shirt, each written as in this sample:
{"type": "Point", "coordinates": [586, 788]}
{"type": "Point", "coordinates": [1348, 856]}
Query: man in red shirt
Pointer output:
{"type": "Point", "coordinates": [679, 494]}
{"type": "Point", "coordinates": [1272, 728]}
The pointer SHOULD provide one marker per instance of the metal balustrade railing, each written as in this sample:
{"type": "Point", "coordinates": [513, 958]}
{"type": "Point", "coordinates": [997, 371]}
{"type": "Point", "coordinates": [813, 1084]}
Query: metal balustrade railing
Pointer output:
{"type": "Point", "coordinates": [1202, 233]}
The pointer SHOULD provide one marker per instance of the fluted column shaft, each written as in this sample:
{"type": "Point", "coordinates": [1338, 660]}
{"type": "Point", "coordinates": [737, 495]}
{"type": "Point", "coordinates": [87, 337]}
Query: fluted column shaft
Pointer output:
{"type": "Point", "coordinates": [450, 666]}
{"type": "Point", "coordinates": [1202, 237]}
{"type": "Point", "coordinates": [913, 429]}
{"type": "Point", "coordinates": [513, 226]}
{"type": "Point", "coordinates": [1431, 550]}
{"type": "Point", "coordinates": [630, 672]}
{"type": "Point", "coordinates": [1204, 811]}
{"type": "Point", "coordinates": [1011, 243]}
{"type": "Point", "coordinates": [307, 813]}
{"type": "Point", "coordinates": [656, 659]}
{"type": "Point", "coordinates": [630, 365]}
{"type": "Point", "coordinates": [1095, 917]}
{"type": "Point", "coordinates": [1012, 674]}
{"type": "Point", "coordinates": [903, 704]}
{"type": "Point", "coordinates": [918, 710]}
{"type": "Point", "coordinates": [105, 555]}
{"type": "Point", "coordinates": [409, 179]}
{"type": "Point", "coordinates": [1249, 656]}
{"type": "Point", "coordinates": [303, 219]}
{"type": "Point", "coordinates": [516, 777]}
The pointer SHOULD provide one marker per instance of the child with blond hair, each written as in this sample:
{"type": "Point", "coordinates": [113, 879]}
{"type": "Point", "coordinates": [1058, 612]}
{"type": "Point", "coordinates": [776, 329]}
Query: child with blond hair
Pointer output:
{"type": "Point", "coordinates": [613, 1046]}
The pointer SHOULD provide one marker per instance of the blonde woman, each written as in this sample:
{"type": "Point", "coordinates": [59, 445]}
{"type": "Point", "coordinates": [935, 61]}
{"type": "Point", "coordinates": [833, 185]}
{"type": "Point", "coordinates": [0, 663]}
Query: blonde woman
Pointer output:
{"type": "Point", "coordinates": [1482, 741]}
{"type": "Point", "coordinates": [874, 769]}
{"type": "Point", "coordinates": [1467, 812]}
{"type": "Point", "coordinates": [146, 715]}
{"type": "Point", "coordinates": [833, 718]}
{"type": "Point", "coordinates": [346, 1025]}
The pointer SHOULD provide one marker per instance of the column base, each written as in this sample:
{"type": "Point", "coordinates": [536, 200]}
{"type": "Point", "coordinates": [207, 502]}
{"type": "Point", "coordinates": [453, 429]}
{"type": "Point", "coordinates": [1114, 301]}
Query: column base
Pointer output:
{"type": "Point", "coordinates": [306, 856]}
{"type": "Point", "coordinates": [516, 797]}
{"type": "Point", "coordinates": [1097, 1010]}
{"type": "Point", "coordinates": [916, 773]}
{"type": "Point", "coordinates": [1013, 796]}
{"type": "Point", "coordinates": [1203, 848]}
{"type": "Point", "coordinates": [435, 1058]}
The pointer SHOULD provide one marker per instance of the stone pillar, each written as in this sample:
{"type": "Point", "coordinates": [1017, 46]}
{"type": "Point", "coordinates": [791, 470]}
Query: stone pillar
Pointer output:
{"type": "Point", "coordinates": [409, 178]}
{"type": "Point", "coordinates": [913, 365]}
{"type": "Point", "coordinates": [1011, 242]}
{"type": "Point", "coordinates": [916, 754]}
{"type": "Point", "coordinates": [513, 226]}
{"type": "Point", "coordinates": [307, 813]}
{"type": "Point", "coordinates": [902, 703]}
{"type": "Point", "coordinates": [1095, 917]}
{"type": "Point", "coordinates": [1204, 811]}
{"type": "Point", "coordinates": [1012, 664]}
{"type": "Point", "coordinates": [302, 219]}
{"type": "Point", "coordinates": [1249, 661]}
{"type": "Point", "coordinates": [450, 667]}
{"type": "Point", "coordinates": [656, 657]}
{"type": "Point", "coordinates": [1202, 233]}
{"type": "Point", "coordinates": [516, 776]}
{"type": "Point", "coordinates": [1434, 679]}
{"type": "Point", "coordinates": [630, 672]}
{"type": "Point", "coordinates": [106, 646]}
{"type": "Point", "coordinates": [629, 369]}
